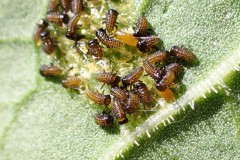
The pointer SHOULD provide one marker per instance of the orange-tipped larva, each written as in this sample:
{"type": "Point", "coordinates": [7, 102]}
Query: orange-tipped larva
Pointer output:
{"type": "Point", "coordinates": [104, 119]}
{"type": "Point", "coordinates": [50, 70]}
{"type": "Point", "coordinates": [72, 28]}
{"type": "Point", "coordinates": [118, 111]}
{"type": "Point", "coordinates": [77, 6]}
{"type": "Point", "coordinates": [41, 26]}
{"type": "Point", "coordinates": [126, 38]}
{"type": "Point", "coordinates": [108, 78]}
{"type": "Point", "coordinates": [48, 45]}
{"type": "Point", "coordinates": [146, 43]}
{"type": "Point", "coordinates": [119, 93]}
{"type": "Point", "coordinates": [143, 93]}
{"type": "Point", "coordinates": [157, 57]}
{"type": "Point", "coordinates": [53, 6]}
{"type": "Point", "coordinates": [111, 20]}
{"type": "Point", "coordinates": [182, 53]}
{"type": "Point", "coordinates": [151, 70]}
{"type": "Point", "coordinates": [106, 40]}
{"type": "Point", "coordinates": [165, 80]}
{"type": "Point", "coordinates": [167, 94]}
{"type": "Point", "coordinates": [72, 82]}
{"type": "Point", "coordinates": [132, 77]}
{"type": "Point", "coordinates": [132, 103]}
{"type": "Point", "coordinates": [65, 5]}
{"type": "Point", "coordinates": [95, 49]}
{"type": "Point", "coordinates": [55, 17]}
{"type": "Point", "coordinates": [98, 98]}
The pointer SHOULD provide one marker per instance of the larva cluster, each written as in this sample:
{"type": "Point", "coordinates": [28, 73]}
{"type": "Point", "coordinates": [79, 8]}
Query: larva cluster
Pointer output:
{"type": "Point", "coordinates": [127, 91]}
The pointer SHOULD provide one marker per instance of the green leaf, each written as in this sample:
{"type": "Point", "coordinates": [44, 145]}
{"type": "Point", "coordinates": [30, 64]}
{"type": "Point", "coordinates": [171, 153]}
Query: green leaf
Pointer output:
{"type": "Point", "coordinates": [211, 131]}
{"type": "Point", "coordinates": [42, 120]}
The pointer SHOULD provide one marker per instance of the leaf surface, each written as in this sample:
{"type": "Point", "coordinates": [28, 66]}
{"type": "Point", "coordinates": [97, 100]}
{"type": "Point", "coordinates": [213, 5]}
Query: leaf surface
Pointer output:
{"type": "Point", "coordinates": [41, 120]}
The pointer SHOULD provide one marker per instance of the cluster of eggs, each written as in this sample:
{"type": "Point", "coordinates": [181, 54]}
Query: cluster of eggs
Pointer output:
{"type": "Point", "coordinates": [127, 92]}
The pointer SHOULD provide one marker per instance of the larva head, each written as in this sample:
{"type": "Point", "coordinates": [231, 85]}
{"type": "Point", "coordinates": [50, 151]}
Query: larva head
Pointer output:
{"type": "Point", "coordinates": [107, 100]}
{"type": "Point", "coordinates": [65, 18]}
{"type": "Point", "coordinates": [44, 34]}
{"type": "Point", "coordinates": [42, 23]}
{"type": "Point", "coordinates": [112, 11]}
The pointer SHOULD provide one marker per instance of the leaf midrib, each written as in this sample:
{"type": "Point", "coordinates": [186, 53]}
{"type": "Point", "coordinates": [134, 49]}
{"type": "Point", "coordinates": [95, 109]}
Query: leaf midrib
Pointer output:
{"type": "Point", "coordinates": [215, 78]}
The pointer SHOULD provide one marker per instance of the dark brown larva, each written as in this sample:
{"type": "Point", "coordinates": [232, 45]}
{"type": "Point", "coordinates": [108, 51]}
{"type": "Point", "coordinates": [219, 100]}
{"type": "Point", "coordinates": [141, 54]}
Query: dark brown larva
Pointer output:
{"type": "Point", "coordinates": [108, 78]}
{"type": "Point", "coordinates": [119, 93]}
{"type": "Point", "coordinates": [72, 28]}
{"type": "Point", "coordinates": [104, 119]}
{"type": "Point", "coordinates": [182, 53]}
{"type": "Point", "coordinates": [72, 82]}
{"type": "Point", "coordinates": [118, 111]}
{"type": "Point", "coordinates": [157, 57]}
{"type": "Point", "coordinates": [77, 6]}
{"type": "Point", "coordinates": [95, 49]}
{"type": "Point", "coordinates": [167, 77]}
{"type": "Point", "coordinates": [53, 6]}
{"type": "Point", "coordinates": [132, 77]}
{"type": "Point", "coordinates": [98, 98]}
{"type": "Point", "coordinates": [106, 40]}
{"type": "Point", "coordinates": [50, 70]}
{"type": "Point", "coordinates": [111, 20]}
{"type": "Point", "coordinates": [66, 5]}
{"type": "Point", "coordinates": [146, 43]}
{"type": "Point", "coordinates": [151, 70]}
{"type": "Point", "coordinates": [141, 27]}
{"type": "Point", "coordinates": [143, 93]}
{"type": "Point", "coordinates": [132, 103]}
{"type": "Point", "coordinates": [41, 26]}
{"type": "Point", "coordinates": [56, 17]}
{"type": "Point", "coordinates": [175, 67]}
{"type": "Point", "coordinates": [48, 45]}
